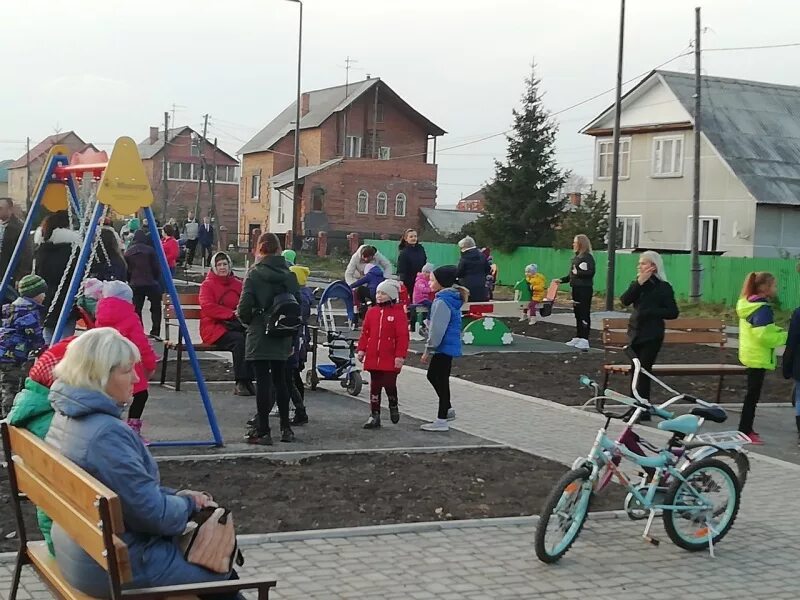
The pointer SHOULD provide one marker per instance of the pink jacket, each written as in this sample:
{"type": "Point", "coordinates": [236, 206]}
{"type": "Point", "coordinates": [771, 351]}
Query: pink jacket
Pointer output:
{"type": "Point", "coordinates": [119, 314]}
{"type": "Point", "coordinates": [422, 289]}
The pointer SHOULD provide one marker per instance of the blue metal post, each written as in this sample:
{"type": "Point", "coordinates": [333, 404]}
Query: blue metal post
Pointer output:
{"type": "Point", "coordinates": [183, 333]}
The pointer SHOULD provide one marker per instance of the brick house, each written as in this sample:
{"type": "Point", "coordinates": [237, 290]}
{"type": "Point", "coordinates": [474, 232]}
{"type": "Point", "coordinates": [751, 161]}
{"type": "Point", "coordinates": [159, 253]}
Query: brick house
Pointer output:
{"type": "Point", "coordinates": [184, 149]}
{"type": "Point", "coordinates": [364, 166]}
{"type": "Point", "coordinates": [473, 203]}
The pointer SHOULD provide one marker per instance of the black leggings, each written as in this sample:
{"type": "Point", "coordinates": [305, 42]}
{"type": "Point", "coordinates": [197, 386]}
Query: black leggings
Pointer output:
{"type": "Point", "coordinates": [755, 381]}
{"type": "Point", "coordinates": [647, 353]}
{"type": "Point", "coordinates": [582, 296]}
{"type": "Point", "coordinates": [296, 388]}
{"type": "Point", "coordinates": [137, 406]}
{"type": "Point", "coordinates": [439, 376]}
{"type": "Point", "coordinates": [271, 374]}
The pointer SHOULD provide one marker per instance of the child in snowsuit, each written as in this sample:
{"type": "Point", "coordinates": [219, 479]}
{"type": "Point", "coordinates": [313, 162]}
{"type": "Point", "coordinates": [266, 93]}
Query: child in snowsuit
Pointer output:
{"type": "Point", "coordinates": [422, 295]}
{"type": "Point", "coordinates": [536, 284]}
{"type": "Point", "coordinates": [382, 348]}
{"type": "Point", "coordinates": [20, 335]}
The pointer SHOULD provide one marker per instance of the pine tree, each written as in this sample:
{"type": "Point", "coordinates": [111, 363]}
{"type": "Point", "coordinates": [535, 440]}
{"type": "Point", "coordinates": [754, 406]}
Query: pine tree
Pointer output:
{"type": "Point", "coordinates": [522, 205]}
{"type": "Point", "coordinates": [590, 218]}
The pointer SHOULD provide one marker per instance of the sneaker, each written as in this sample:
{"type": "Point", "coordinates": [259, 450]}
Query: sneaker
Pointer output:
{"type": "Point", "coordinates": [436, 425]}
{"type": "Point", "coordinates": [582, 344]}
{"type": "Point", "coordinates": [251, 422]}
{"type": "Point", "coordinates": [300, 416]}
{"type": "Point", "coordinates": [136, 426]}
{"type": "Point", "coordinates": [451, 414]}
{"type": "Point", "coordinates": [415, 337]}
{"type": "Point", "coordinates": [156, 337]}
{"type": "Point", "coordinates": [522, 318]}
{"type": "Point", "coordinates": [755, 439]}
{"type": "Point", "coordinates": [241, 389]}
{"type": "Point", "coordinates": [532, 321]}
{"type": "Point", "coordinates": [374, 421]}
{"type": "Point", "coordinates": [394, 412]}
{"type": "Point", "coordinates": [274, 411]}
{"type": "Point", "coordinates": [572, 342]}
{"type": "Point", "coordinates": [287, 435]}
{"type": "Point", "coordinates": [253, 436]}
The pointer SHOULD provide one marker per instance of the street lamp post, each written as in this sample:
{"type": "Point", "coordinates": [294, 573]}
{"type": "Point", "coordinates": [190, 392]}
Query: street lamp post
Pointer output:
{"type": "Point", "coordinates": [295, 183]}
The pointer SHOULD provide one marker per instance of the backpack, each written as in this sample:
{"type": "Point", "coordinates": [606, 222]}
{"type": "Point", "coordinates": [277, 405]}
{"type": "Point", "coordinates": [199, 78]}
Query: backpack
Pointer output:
{"type": "Point", "coordinates": [284, 318]}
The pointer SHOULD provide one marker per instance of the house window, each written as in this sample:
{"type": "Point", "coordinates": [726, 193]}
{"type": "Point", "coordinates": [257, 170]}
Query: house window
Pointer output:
{"type": "Point", "coordinates": [317, 199]}
{"type": "Point", "coordinates": [385, 153]}
{"type": "Point", "coordinates": [668, 156]}
{"type": "Point", "coordinates": [379, 113]}
{"type": "Point", "coordinates": [629, 229]}
{"type": "Point", "coordinates": [281, 216]}
{"type": "Point", "coordinates": [605, 158]}
{"type": "Point", "coordinates": [382, 206]}
{"type": "Point", "coordinates": [197, 172]}
{"type": "Point", "coordinates": [186, 171]}
{"type": "Point", "coordinates": [707, 234]}
{"type": "Point", "coordinates": [195, 151]}
{"type": "Point", "coordinates": [174, 170]}
{"type": "Point", "coordinates": [353, 146]}
{"type": "Point", "coordinates": [362, 206]}
{"type": "Point", "coordinates": [255, 187]}
{"type": "Point", "coordinates": [400, 205]}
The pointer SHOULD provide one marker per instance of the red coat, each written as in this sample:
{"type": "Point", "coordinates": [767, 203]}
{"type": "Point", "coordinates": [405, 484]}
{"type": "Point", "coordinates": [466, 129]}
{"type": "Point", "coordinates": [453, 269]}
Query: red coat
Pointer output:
{"type": "Point", "coordinates": [119, 314]}
{"type": "Point", "coordinates": [219, 297]}
{"type": "Point", "coordinates": [384, 337]}
{"type": "Point", "coordinates": [171, 250]}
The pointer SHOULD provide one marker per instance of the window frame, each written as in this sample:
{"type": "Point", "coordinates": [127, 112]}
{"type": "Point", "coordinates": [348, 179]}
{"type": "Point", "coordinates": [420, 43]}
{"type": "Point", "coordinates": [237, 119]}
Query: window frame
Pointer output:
{"type": "Point", "coordinates": [321, 191]}
{"type": "Point", "coordinates": [625, 163]}
{"type": "Point", "coordinates": [621, 223]}
{"type": "Point", "coordinates": [385, 153]}
{"type": "Point", "coordinates": [362, 195]}
{"type": "Point", "coordinates": [280, 207]}
{"type": "Point", "coordinates": [382, 197]}
{"type": "Point", "coordinates": [349, 144]}
{"type": "Point", "coordinates": [397, 200]}
{"type": "Point", "coordinates": [656, 158]}
{"type": "Point", "coordinates": [255, 190]}
{"type": "Point", "coordinates": [714, 233]}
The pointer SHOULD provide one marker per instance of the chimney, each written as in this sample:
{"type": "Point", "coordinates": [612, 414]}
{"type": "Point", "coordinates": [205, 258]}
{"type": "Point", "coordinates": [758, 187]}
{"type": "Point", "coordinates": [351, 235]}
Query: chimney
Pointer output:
{"type": "Point", "coordinates": [305, 104]}
{"type": "Point", "coordinates": [153, 135]}
{"type": "Point", "coordinates": [575, 198]}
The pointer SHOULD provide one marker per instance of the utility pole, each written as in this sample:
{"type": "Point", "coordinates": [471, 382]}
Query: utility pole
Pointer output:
{"type": "Point", "coordinates": [612, 217]}
{"type": "Point", "coordinates": [347, 66]}
{"type": "Point", "coordinates": [28, 173]}
{"type": "Point", "coordinates": [202, 166]}
{"type": "Point", "coordinates": [211, 179]}
{"type": "Point", "coordinates": [695, 293]}
{"type": "Point", "coordinates": [296, 181]}
{"type": "Point", "coordinates": [165, 164]}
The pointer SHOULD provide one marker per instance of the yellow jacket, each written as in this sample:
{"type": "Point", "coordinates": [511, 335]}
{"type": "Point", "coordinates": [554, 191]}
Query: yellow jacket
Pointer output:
{"type": "Point", "coordinates": [537, 284]}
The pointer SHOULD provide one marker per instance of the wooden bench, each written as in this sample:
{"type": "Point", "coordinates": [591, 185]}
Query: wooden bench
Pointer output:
{"type": "Point", "coordinates": [679, 331]}
{"type": "Point", "coordinates": [91, 514]}
{"type": "Point", "coordinates": [191, 312]}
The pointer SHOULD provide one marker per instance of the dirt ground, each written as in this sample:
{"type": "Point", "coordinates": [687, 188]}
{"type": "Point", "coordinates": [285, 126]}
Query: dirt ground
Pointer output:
{"type": "Point", "coordinates": [555, 376]}
{"type": "Point", "coordinates": [367, 489]}
{"type": "Point", "coordinates": [213, 370]}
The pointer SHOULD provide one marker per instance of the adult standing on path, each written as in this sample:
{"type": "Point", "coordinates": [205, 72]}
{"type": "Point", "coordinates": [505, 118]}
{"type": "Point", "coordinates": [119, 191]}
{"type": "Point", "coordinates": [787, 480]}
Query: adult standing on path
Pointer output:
{"type": "Point", "coordinates": [192, 230]}
{"type": "Point", "coordinates": [410, 261]}
{"type": "Point", "coordinates": [653, 301]}
{"type": "Point", "coordinates": [10, 230]}
{"type": "Point", "coordinates": [269, 278]}
{"type": "Point", "coordinates": [581, 280]}
{"type": "Point", "coordinates": [205, 238]}
{"type": "Point", "coordinates": [144, 276]}
{"type": "Point", "coordinates": [472, 270]}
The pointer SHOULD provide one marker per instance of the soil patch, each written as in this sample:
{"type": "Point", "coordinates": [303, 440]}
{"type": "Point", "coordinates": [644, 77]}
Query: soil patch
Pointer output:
{"type": "Point", "coordinates": [555, 376]}
{"type": "Point", "coordinates": [347, 490]}
{"type": "Point", "coordinates": [213, 370]}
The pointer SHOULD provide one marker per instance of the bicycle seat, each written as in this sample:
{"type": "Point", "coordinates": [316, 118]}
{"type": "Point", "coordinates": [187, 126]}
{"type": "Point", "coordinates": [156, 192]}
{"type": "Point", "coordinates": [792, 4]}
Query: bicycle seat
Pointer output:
{"type": "Point", "coordinates": [685, 424]}
{"type": "Point", "coordinates": [710, 413]}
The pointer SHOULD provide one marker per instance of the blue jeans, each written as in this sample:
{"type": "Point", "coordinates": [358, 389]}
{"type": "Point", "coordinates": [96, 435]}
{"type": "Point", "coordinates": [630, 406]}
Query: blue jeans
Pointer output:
{"type": "Point", "coordinates": [797, 397]}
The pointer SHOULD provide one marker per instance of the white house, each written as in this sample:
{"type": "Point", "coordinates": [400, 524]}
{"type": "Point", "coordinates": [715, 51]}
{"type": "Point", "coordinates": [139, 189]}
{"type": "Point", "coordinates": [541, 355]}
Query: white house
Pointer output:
{"type": "Point", "coordinates": [749, 157]}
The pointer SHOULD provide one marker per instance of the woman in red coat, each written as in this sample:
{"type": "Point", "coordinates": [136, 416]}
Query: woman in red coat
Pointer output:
{"type": "Point", "coordinates": [382, 348]}
{"type": "Point", "coordinates": [219, 326]}
{"type": "Point", "coordinates": [171, 248]}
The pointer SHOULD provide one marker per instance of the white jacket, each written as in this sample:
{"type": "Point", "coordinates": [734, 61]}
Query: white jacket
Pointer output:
{"type": "Point", "coordinates": [355, 268]}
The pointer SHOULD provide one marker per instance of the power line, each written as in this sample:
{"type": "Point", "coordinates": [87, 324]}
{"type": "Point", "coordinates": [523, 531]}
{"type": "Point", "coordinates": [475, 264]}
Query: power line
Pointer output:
{"type": "Point", "coordinates": [765, 47]}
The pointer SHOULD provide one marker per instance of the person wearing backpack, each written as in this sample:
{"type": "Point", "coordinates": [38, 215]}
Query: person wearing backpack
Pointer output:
{"type": "Point", "coordinates": [270, 307]}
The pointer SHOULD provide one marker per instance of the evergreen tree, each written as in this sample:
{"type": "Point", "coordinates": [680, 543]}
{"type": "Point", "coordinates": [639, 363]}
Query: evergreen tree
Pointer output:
{"type": "Point", "coordinates": [522, 205]}
{"type": "Point", "coordinates": [591, 218]}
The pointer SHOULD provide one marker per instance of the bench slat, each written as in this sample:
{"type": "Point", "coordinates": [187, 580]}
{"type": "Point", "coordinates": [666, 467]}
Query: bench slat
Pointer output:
{"type": "Point", "coordinates": [47, 567]}
{"type": "Point", "coordinates": [188, 313]}
{"type": "Point", "coordinates": [696, 324]}
{"type": "Point", "coordinates": [173, 345]}
{"type": "Point", "coordinates": [184, 299]}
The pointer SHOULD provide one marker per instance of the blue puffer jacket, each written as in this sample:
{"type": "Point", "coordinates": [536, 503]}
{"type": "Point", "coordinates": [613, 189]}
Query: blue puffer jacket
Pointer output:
{"type": "Point", "coordinates": [444, 333]}
{"type": "Point", "coordinates": [88, 430]}
{"type": "Point", "coordinates": [21, 331]}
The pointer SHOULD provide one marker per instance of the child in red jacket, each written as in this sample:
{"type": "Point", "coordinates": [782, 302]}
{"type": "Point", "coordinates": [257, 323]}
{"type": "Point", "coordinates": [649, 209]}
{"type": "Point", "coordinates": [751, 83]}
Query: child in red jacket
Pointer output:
{"type": "Point", "coordinates": [171, 248]}
{"type": "Point", "coordinates": [382, 348]}
{"type": "Point", "coordinates": [116, 310]}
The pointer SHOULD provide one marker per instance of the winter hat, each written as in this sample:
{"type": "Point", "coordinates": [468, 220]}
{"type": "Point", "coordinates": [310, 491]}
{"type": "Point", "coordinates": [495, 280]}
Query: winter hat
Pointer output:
{"type": "Point", "coordinates": [118, 289]}
{"type": "Point", "coordinates": [290, 255]}
{"type": "Point", "coordinates": [428, 268]}
{"type": "Point", "coordinates": [531, 269]}
{"type": "Point", "coordinates": [31, 286]}
{"type": "Point", "coordinates": [134, 224]}
{"type": "Point", "coordinates": [93, 288]}
{"type": "Point", "coordinates": [220, 256]}
{"type": "Point", "coordinates": [301, 273]}
{"type": "Point", "coordinates": [391, 288]}
{"type": "Point", "coordinates": [42, 370]}
{"type": "Point", "coordinates": [446, 275]}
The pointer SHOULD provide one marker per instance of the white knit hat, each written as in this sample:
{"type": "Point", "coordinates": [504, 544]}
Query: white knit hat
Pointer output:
{"type": "Point", "coordinates": [391, 288]}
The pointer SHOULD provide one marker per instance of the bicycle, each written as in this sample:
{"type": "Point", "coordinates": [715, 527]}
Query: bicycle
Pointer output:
{"type": "Point", "coordinates": [676, 484]}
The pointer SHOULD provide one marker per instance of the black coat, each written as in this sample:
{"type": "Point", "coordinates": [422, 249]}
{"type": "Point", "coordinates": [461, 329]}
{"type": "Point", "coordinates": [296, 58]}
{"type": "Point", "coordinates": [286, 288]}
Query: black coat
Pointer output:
{"type": "Point", "coordinates": [581, 271]}
{"type": "Point", "coordinates": [143, 269]}
{"type": "Point", "coordinates": [53, 265]}
{"type": "Point", "coordinates": [652, 303]}
{"type": "Point", "coordinates": [791, 355]}
{"type": "Point", "coordinates": [472, 271]}
{"type": "Point", "coordinates": [10, 236]}
{"type": "Point", "coordinates": [409, 263]}
{"type": "Point", "coordinates": [108, 261]}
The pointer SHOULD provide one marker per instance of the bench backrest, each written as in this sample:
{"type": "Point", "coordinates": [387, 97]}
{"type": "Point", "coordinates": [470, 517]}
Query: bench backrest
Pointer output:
{"type": "Point", "coordinates": [88, 511]}
{"type": "Point", "coordinates": [679, 331]}
{"type": "Point", "coordinates": [190, 304]}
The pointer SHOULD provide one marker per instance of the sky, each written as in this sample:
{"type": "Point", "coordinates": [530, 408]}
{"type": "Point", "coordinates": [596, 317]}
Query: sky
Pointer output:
{"type": "Point", "coordinates": [107, 69]}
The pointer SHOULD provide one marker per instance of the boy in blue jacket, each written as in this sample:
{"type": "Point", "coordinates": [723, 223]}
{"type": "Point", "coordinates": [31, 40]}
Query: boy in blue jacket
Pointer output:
{"type": "Point", "coordinates": [367, 287]}
{"type": "Point", "coordinates": [444, 341]}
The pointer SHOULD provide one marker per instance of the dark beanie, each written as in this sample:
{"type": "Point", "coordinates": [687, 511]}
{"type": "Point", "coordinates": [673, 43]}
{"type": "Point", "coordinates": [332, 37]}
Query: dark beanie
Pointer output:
{"type": "Point", "coordinates": [446, 275]}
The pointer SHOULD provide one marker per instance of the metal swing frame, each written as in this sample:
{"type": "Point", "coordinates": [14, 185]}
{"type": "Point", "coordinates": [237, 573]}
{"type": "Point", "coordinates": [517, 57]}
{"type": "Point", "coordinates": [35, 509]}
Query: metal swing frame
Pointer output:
{"type": "Point", "coordinates": [58, 171]}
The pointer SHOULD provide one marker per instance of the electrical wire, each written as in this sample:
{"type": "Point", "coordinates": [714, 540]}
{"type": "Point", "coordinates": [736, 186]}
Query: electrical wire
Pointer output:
{"type": "Point", "coordinates": [765, 47]}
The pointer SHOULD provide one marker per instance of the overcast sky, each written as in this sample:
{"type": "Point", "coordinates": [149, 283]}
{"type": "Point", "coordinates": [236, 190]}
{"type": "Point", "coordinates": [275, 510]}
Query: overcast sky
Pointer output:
{"type": "Point", "coordinates": [106, 69]}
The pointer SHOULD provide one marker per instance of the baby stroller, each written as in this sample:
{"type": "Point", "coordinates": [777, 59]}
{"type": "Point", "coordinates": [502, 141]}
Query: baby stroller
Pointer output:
{"type": "Point", "coordinates": [341, 344]}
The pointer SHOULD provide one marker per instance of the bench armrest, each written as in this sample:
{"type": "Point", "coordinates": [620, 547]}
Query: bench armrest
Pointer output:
{"type": "Point", "coordinates": [216, 587]}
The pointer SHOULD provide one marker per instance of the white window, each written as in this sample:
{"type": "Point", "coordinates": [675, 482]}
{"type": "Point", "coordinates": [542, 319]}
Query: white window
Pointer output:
{"type": "Point", "coordinates": [353, 146]}
{"type": "Point", "coordinates": [382, 205]}
{"type": "Point", "coordinates": [605, 158]}
{"type": "Point", "coordinates": [385, 153]}
{"type": "Point", "coordinates": [707, 234]}
{"type": "Point", "coordinates": [400, 205]}
{"type": "Point", "coordinates": [255, 187]}
{"type": "Point", "coordinates": [629, 228]}
{"type": "Point", "coordinates": [281, 216]}
{"type": "Point", "coordinates": [362, 206]}
{"type": "Point", "coordinates": [174, 170]}
{"type": "Point", "coordinates": [668, 156]}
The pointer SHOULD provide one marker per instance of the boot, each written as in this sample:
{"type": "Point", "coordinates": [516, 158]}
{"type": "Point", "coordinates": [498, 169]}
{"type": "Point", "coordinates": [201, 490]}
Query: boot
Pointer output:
{"type": "Point", "coordinates": [394, 410]}
{"type": "Point", "coordinates": [374, 421]}
{"type": "Point", "coordinates": [136, 426]}
{"type": "Point", "coordinates": [254, 436]}
{"type": "Point", "coordinates": [287, 435]}
{"type": "Point", "coordinates": [300, 415]}
{"type": "Point", "coordinates": [241, 389]}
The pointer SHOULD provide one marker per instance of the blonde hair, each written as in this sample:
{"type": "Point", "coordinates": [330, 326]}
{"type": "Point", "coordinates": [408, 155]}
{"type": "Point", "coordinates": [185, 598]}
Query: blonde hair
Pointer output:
{"type": "Point", "coordinates": [584, 244]}
{"type": "Point", "coordinates": [89, 359]}
{"type": "Point", "coordinates": [654, 257]}
{"type": "Point", "coordinates": [755, 281]}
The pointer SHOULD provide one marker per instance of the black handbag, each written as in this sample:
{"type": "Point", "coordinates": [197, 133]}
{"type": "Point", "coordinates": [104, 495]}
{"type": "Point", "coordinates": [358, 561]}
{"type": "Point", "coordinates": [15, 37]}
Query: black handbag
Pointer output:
{"type": "Point", "coordinates": [235, 325]}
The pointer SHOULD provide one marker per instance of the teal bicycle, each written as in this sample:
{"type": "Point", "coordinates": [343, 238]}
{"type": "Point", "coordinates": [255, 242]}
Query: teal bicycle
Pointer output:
{"type": "Point", "coordinates": [698, 499]}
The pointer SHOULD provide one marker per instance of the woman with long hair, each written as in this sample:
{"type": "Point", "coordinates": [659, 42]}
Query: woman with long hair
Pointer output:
{"type": "Point", "coordinates": [410, 261]}
{"type": "Point", "coordinates": [581, 281]}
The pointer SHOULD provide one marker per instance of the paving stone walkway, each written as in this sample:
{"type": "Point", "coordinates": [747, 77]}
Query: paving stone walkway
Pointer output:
{"type": "Point", "coordinates": [757, 559]}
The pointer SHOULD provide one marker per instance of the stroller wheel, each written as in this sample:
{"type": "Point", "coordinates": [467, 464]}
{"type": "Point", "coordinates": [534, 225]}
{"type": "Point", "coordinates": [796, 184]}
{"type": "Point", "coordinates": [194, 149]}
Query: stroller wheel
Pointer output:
{"type": "Point", "coordinates": [354, 383]}
{"type": "Point", "coordinates": [312, 379]}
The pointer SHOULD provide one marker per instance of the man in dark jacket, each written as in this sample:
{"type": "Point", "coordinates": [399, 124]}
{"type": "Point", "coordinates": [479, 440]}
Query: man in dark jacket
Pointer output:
{"type": "Point", "coordinates": [144, 276]}
{"type": "Point", "coordinates": [791, 365]}
{"type": "Point", "coordinates": [472, 270]}
{"type": "Point", "coordinates": [205, 237]}
{"type": "Point", "coordinates": [11, 229]}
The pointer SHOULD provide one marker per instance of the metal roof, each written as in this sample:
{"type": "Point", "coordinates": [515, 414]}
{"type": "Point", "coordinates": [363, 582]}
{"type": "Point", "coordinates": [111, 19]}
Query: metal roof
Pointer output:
{"type": "Point", "coordinates": [286, 177]}
{"type": "Point", "coordinates": [448, 222]}
{"type": "Point", "coordinates": [4, 165]}
{"type": "Point", "coordinates": [148, 149]}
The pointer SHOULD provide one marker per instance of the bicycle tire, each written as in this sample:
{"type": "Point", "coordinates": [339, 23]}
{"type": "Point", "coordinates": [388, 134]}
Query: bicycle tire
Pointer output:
{"type": "Point", "coordinates": [669, 516]}
{"type": "Point", "coordinates": [569, 478]}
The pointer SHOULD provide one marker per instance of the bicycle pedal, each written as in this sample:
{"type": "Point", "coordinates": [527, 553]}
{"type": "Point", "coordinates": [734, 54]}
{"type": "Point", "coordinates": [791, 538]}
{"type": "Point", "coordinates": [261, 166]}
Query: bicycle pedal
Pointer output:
{"type": "Point", "coordinates": [651, 540]}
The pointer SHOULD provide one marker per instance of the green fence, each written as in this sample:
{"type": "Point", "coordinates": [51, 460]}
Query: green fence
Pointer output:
{"type": "Point", "coordinates": [721, 283]}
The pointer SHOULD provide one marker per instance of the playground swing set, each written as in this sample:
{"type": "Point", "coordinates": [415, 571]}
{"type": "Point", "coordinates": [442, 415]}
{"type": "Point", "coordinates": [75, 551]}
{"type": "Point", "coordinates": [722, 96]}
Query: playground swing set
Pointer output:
{"type": "Point", "coordinates": [121, 185]}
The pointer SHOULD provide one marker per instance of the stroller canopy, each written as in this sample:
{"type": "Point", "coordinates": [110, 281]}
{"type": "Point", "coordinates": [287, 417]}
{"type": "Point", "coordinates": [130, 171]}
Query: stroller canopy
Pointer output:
{"type": "Point", "coordinates": [337, 290]}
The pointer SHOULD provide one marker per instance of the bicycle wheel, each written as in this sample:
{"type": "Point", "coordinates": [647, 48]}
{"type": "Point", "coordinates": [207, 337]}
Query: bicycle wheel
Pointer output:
{"type": "Point", "coordinates": [717, 485]}
{"type": "Point", "coordinates": [563, 515]}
